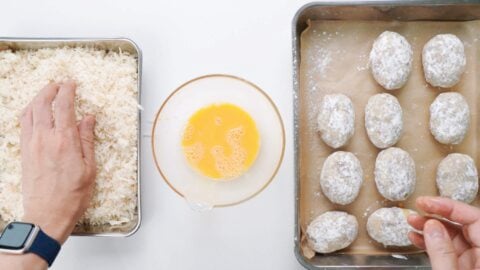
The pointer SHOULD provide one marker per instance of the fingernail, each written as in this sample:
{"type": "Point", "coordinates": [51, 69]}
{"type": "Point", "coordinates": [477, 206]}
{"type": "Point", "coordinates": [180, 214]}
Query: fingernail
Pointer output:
{"type": "Point", "coordinates": [68, 84]}
{"type": "Point", "coordinates": [437, 203]}
{"type": "Point", "coordinates": [413, 215]}
{"type": "Point", "coordinates": [430, 201]}
{"type": "Point", "coordinates": [421, 199]}
{"type": "Point", "coordinates": [68, 80]}
{"type": "Point", "coordinates": [435, 200]}
{"type": "Point", "coordinates": [434, 230]}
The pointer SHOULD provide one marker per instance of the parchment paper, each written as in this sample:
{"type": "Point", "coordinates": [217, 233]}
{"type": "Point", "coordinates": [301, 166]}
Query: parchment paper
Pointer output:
{"type": "Point", "coordinates": [334, 59]}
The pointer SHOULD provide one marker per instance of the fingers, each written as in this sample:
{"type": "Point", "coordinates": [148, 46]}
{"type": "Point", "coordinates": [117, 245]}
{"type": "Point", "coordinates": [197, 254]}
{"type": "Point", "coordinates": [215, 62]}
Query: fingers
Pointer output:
{"type": "Point", "coordinates": [26, 124]}
{"type": "Point", "coordinates": [418, 223]}
{"type": "Point", "coordinates": [459, 243]}
{"type": "Point", "coordinates": [472, 234]}
{"type": "Point", "coordinates": [42, 107]}
{"type": "Point", "coordinates": [439, 246]}
{"type": "Point", "coordinates": [64, 106]}
{"type": "Point", "coordinates": [453, 210]}
{"type": "Point", "coordinates": [86, 128]}
{"type": "Point", "coordinates": [417, 240]}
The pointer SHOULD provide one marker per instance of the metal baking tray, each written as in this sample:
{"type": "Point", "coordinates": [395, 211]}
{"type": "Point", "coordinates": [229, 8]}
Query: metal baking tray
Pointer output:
{"type": "Point", "coordinates": [112, 44]}
{"type": "Point", "coordinates": [438, 10]}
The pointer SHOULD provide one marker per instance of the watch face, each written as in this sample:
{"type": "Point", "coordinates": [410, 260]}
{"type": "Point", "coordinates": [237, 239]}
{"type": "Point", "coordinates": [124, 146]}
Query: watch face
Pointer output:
{"type": "Point", "coordinates": [15, 235]}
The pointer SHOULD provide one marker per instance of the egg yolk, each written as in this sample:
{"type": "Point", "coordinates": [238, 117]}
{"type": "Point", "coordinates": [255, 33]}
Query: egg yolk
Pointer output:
{"type": "Point", "coordinates": [221, 141]}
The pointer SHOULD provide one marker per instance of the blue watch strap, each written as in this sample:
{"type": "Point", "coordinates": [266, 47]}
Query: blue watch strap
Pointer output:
{"type": "Point", "coordinates": [45, 247]}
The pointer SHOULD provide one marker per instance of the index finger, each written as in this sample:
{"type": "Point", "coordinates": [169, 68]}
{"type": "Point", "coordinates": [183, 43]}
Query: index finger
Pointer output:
{"type": "Point", "coordinates": [453, 210]}
{"type": "Point", "coordinates": [64, 106]}
{"type": "Point", "coordinates": [42, 107]}
{"type": "Point", "coordinates": [26, 124]}
{"type": "Point", "coordinates": [418, 222]}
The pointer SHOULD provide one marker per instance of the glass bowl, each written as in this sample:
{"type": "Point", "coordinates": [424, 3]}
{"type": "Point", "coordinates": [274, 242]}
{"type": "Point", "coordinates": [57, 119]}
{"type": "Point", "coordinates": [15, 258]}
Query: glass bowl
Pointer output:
{"type": "Point", "coordinates": [172, 117]}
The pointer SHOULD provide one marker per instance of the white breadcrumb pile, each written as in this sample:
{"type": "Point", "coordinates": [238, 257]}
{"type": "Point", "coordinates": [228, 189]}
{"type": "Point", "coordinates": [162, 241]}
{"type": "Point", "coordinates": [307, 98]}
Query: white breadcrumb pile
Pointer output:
{"type": "Point", "coordinates": [107, 88]}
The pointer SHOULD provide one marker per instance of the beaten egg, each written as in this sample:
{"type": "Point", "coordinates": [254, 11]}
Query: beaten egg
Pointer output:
{"type": "Point", "coordinates": [217, 140]}
{"type": "Point", "coordinates": [221, 141]}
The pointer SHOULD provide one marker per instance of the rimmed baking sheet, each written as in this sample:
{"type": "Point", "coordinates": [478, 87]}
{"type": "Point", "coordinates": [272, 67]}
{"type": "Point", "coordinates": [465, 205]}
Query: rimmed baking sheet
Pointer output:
{"type": "Point", "coordinates": [331, 56]}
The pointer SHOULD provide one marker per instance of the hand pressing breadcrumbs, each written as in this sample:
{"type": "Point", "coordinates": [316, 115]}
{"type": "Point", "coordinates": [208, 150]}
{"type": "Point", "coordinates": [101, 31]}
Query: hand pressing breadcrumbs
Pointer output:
{"type": "Point", "coordinates": [58, 167]}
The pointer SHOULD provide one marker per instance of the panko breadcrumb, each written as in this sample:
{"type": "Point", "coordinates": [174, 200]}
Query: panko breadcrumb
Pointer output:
{"type": "Point", "coordinates": [107, 88]}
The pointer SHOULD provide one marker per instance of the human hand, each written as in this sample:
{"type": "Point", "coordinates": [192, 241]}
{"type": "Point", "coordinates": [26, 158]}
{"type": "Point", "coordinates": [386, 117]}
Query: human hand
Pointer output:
{"type": "Point", "coordinates": [58, 161]}
{"type": "Point", "coordinates": [449, 247]}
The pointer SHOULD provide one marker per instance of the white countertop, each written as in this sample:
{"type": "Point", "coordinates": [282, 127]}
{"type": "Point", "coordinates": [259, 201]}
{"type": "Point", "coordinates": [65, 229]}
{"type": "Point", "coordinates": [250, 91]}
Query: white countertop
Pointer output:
{"type": "Point", "coordinates": [181, 40]}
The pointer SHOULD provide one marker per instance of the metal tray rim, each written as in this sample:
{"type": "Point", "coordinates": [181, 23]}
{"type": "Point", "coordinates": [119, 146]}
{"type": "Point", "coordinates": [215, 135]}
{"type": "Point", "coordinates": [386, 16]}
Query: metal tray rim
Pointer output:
{"type": "Point", "coordinates": [139, 86]}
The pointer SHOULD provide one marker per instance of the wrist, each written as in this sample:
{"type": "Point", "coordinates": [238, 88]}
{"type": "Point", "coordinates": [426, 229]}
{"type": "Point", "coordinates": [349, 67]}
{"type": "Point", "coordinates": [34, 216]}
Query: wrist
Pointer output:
{"type": "Point", "coordinates": [57, 228]}
{"type": "Point", "coordinates": [24, 262]}
{"type": "Point", "coordinates": [32, 261]}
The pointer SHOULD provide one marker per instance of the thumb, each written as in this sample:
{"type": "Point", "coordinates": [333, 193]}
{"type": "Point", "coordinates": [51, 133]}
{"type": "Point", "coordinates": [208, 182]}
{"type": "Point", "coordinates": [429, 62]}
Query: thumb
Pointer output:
{"type": "Point", "coordinates": [85, 128]}
{"type": "Point", "coordinates": [439, 246]}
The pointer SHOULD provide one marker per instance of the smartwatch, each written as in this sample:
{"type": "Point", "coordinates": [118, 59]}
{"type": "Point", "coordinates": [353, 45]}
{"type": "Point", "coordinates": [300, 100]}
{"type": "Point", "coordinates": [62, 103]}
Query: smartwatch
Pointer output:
{"type": "Point", "coordinates": [21, 238]}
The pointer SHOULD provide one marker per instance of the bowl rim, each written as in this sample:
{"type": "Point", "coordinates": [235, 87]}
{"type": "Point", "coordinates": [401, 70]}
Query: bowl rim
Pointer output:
{"type": "Point", "coordinates": [254, 86]}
